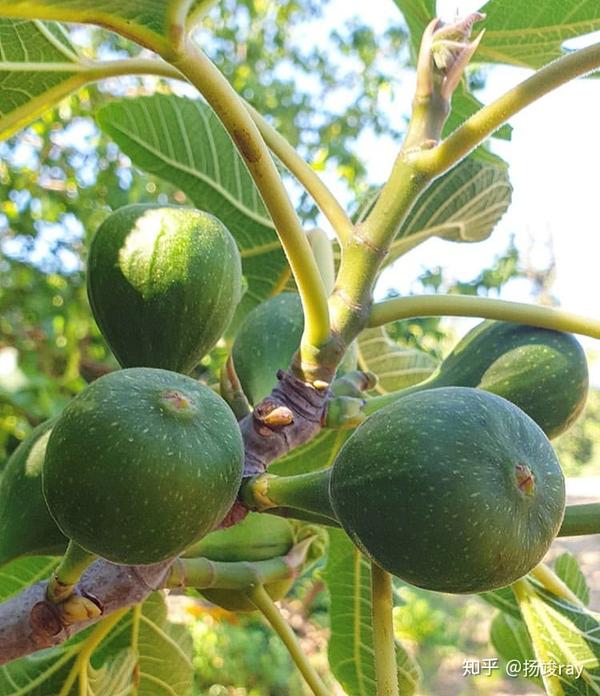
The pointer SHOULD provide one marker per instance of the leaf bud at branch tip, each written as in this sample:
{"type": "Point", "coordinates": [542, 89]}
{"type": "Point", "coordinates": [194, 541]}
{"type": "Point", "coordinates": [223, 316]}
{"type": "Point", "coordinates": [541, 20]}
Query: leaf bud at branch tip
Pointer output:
{"type": "Point", "coordinates": [445, 51]}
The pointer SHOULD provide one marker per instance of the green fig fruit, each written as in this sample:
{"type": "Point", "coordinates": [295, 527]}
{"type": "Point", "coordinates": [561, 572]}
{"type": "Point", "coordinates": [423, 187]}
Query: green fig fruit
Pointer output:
{"type": "Point", "coordinates": [141, 464]}
{"type": "Point", "coordinates": [163, 284]}
{"type": "Point", "coordinates": [26, 526]}
{"type": "Point", "coordinates": [257, 537]}
{"type": "Point", "coordinates": [266, 342]}
{"type": "Point", "coordinates": [543, 372]}
{"type": "Point", "coordinates": [452, 489]}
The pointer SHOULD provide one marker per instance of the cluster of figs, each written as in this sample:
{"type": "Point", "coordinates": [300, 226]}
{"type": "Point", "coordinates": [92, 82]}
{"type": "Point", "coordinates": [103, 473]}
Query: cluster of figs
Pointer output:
{"type": "Point", "coordinates": [454, 486]}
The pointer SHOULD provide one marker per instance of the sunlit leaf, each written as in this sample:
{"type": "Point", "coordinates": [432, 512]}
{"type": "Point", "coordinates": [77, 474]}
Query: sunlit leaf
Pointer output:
{"type": "Point", "coordinates": [23, 572]}
{"type": "Point", "coordinates": [141, 649]}
{"type": "Point", "coordinates": [38, 67]}
{"type": "Point", "coordinates": [145, 21]}
{"type": "Point", "coordinates": [566, 641]}
{"type": "Point", "coordinates": [568, 570]}
{"type": "Point", "coordinates": [531, 35]}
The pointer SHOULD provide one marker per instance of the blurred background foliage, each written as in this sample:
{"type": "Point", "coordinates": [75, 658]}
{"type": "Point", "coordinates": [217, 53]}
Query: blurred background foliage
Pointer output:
{"type": "Point", "coordinates": [61, 176]}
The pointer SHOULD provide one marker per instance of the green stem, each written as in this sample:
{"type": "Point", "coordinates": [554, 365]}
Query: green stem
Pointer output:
{"type": "Point", "coordinates": [203, 74]}
{"type": "Point", "coordinates": [551, 582]}
{"type": "Point", "coordinates": [73, 564]}
{"type": "Point", "coordinates": [261, 600]}
{"type": "Point", "coordinates": [323, 250]}
{"type": "Point", "coordinates": [382, 604]}
{"type": "Point", "coordinates": [306, 175]}
{"type": "Point", "coordinates": [581, 520]}
{"type": "Point", "coordinates": [202, 573]}
{"type": "Point", "coordinates": [309, 492]}
{"type": "Point", "coordinates": [488, 119]}
{"type": "Point", "coordinates": [350, 304]}
{"type": "Point", "coordinates": [485, 308]}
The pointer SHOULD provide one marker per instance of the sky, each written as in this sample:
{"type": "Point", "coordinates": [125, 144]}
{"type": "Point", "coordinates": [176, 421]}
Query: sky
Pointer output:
{"type": "Point", "coordinates": [554, 166]}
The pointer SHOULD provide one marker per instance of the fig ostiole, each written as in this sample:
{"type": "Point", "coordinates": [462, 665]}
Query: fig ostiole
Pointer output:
{"type": "Point", "coordinates": [163, 284]}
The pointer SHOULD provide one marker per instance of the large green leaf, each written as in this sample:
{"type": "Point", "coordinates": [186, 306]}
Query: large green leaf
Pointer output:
{"type": "Point", "coordinates": [145, 21]}
{"type": "Point", "coordinates": [182, 141]}
{"type": "Point", "coordinates": [142, 648]}
{"type": "Point", "coordinates": [38, 67]}
{"type": "Point", "coordinates": [396, 367]}
{"type": "Point", "coordinates": [464, 205]}
{"type": "Point", "coordinates": [532, 34]}
{"type": "Point", "coordinates": [566, 641]}
{"type": "Point", "coordinates": [163, 649]}
{"type": "Point", "coordinates": [348, 577]}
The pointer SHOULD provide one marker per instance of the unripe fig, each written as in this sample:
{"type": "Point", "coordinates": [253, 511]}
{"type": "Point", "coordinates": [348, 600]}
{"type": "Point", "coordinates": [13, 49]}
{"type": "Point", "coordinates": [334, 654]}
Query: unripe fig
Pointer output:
{"type": "Point", "coordinates": [163, 284]}
{"type": "Point", "coordinates": [266, 342]}
{"type": "Point", "coordinates": [26, 526]}
{"type": "Point", "coordinates": [141, 464]}
{"type": "Point", "coordinates": [257, 537]}
{"type": "Point", "coordinates": [452, 489]}
{"type": "Point", "coordinates": [543, 372]}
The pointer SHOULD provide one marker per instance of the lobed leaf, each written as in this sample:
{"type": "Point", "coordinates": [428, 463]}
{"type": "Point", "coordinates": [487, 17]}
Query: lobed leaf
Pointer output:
{"type": "Point", "coordinates": [464, 205]}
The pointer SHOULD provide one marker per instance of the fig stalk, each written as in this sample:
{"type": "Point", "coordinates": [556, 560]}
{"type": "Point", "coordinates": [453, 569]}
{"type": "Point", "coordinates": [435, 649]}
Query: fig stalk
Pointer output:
{"type": "Point", "coordinates": [259, 597]}
{"type": "Point", "coordinates": [72, 566]}
{"type": "Point", "coordinates": [382, 605]}
{"type": "Point", "coordinates": [580, 520]}
{"type": "Point", "coordinates": [306, 492]}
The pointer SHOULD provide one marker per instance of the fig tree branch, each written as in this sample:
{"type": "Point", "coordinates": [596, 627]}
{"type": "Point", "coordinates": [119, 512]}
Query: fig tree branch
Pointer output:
{"type": "Point", "coordinates": [306, 175]}
{"type": "Point", "coordinates": [201, 72]}
{"type": "Point", "coordinates": [400, 308]}
{"type": "Point", "coordinates": [364, 254]}
{"type": "Point", "coordinates": [581, 520]}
